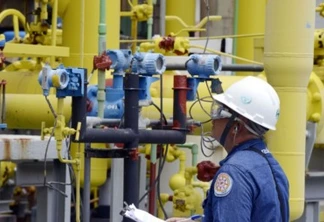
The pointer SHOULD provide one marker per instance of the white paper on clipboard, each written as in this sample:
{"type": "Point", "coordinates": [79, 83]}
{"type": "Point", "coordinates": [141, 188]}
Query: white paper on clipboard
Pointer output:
{"type": "Point", "coordinates": [140, 215]}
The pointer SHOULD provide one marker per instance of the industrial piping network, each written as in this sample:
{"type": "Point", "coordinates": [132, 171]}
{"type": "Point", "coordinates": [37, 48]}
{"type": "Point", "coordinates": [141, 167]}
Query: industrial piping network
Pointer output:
{"type": "Point", "coordinates": [72, 82]}
{"type": "Point", "coordinates": [287, 68]}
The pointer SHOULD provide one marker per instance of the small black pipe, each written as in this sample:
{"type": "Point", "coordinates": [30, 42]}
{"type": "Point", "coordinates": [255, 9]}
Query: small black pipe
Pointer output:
{"type": "Point", "coordinates": [127, 136]}
{"type": "Point", "coordinates": [162, 136]}
{"type": "Point", "coordinates": [225, 67]}
{"type": "Point", "coordinates": [86, 186]}
{"type": "Point", "coordinates": [131, 116]}
{"type": "Point", "coordinates": [242, 68]}
{"type": "Point", "coordinates": [108, 136]}
{"type": "Point", "coordinates": [79, 111]}
{"type": "Point", "coordinates": [131, 112]}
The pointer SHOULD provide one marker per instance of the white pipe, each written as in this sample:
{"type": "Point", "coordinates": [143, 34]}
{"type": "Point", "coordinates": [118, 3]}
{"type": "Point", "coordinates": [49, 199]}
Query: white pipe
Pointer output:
{"type": "Point", "coordinates": [197, 14]}
{"type": "Point", "coordinates": [162, 17]}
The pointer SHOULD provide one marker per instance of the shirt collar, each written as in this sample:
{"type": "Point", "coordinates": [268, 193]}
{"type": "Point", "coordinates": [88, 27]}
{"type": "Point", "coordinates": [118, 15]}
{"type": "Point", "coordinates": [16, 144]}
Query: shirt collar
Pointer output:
{"type": "Point", "coordinates": [257, 143]}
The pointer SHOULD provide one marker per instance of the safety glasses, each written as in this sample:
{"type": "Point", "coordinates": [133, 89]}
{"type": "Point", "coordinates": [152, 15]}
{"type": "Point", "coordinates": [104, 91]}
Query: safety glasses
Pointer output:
{"type": "Point", "coordinates": [218, 111]}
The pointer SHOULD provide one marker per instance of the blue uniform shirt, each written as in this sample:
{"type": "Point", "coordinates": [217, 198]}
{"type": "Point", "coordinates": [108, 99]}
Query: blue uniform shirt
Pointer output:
{"type": "Point", "coordinates": [244, 189]}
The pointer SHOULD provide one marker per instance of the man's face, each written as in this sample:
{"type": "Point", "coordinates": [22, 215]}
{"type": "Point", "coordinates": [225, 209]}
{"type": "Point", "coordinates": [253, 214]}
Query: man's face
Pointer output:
{"type": "Point", "coordinates": [218, 127]}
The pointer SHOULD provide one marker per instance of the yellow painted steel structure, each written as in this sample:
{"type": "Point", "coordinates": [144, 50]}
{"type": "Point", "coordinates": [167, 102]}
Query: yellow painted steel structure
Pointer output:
{"type": "Point", "coordinates": [288, 64]}
{"type": "Point", "coordinates": [184, 9]}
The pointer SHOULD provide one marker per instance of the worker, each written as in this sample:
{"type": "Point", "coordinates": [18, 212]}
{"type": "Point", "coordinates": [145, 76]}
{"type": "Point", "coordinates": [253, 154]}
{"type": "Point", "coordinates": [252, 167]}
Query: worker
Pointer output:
{"type": "Point", "coordinates": [250, 184]}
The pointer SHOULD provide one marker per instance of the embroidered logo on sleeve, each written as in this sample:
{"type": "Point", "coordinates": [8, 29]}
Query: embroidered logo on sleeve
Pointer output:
{"type": "Point", "coordinates": [223, 185]}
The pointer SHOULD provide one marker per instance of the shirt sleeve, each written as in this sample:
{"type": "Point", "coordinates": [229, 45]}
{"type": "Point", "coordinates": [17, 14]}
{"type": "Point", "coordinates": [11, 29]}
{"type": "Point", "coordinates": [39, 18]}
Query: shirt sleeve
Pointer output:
{"type": "Point", "coordinates": [230, 196]}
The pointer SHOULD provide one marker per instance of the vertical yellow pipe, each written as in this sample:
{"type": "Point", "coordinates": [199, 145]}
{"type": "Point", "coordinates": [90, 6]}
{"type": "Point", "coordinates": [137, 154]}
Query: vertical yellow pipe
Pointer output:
{"type": "Point", "coordinates": [251, 14]}
{"type": "Point", "coordinates": [80, 34]}
{"type": "Point", "coordinates": [134, 28]}
{"type": "Point", "coordinates": [185, 9]}
{"type": "Point", "coordinates": [72, 31]}
{"type": "Point", "coordinates": [288, 59]}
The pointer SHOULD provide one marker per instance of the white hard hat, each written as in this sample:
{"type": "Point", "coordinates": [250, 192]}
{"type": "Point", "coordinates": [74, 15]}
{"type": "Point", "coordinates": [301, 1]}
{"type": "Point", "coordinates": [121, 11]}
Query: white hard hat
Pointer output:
{"type": "Point", "coordinates": [254, 99]}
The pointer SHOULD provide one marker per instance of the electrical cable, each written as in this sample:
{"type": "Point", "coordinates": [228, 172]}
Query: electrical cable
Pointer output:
{"type": "Point", "coordinates": [91, 73]}
{"type": "Point", "coordinates": [149, 188]}
{"type": "Point", "coordinates": [160, 163]}
{"type": "Point", "coordinates": [121, 121]}
{"type": "Point", "coordinates": [158, 108]}
{"type": "Point", "coordinates": [50, 138]}
{"type": "Point", "coordinates": [201, 106]}
{"type": "Point", "coordinates": [71, 171]}
{"type": "Point", "coordinates": [206, 141]}
{"type": "Point", "coordinates": [202, 143]}
{"type": "Point", "coordinates": [159, 183]}
{"type": "Point", "coordinates": [199, 100]}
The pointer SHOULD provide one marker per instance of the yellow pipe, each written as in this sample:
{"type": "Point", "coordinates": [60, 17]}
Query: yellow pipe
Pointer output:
{"type": "Point", "coordinates": [187, 15]}
{"type": "Point", "coordinates": [189, 173]}
{"type": "Point", "coordinates": [288, 64]}
{"type": "Point", "coordinates": [16, 26]}
{"type": "Point", "coordinates": [22, 114]}
{"type": "Point", "coordinates": [178, 154]}
{"type": "Point", "coordinates": [176, 18]}
{"type": "Point", "coordinates": [44, 13]}
{"type": "Point", "coordinates": [71, 29]}
{"type": "Point", "coordinates": [134, 28]}
{"type": "Point", "coordinates": [14, 13]}
{"type": "Point", "coordinates": [126, 14]}
{"type": "Point", "coordinates": [62, 6]}
{"type": "Point", "coordinates": [251, 14]}
{"type": "Point", "coordinates": [199, 25]}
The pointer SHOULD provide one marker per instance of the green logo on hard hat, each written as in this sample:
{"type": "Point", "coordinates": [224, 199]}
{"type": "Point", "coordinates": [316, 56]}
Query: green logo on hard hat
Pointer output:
{"type": "Point", "coordinates": [246, 99]}
{"type": "Point", "coordinates": [277, 114]}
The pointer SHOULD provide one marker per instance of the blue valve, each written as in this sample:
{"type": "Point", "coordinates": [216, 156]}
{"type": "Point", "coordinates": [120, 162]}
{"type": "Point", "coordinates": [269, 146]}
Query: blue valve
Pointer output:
{"type": "Point", "coordinates": [201, 67]}
{"type": "Point", "coordinates": [114, 104]}
{"type": "Point", "coordinates": [204, 65]}
{"type": "Point", "coordinates": [148, 64]}
{"type": "Point", "coordinates": [67, 81]}
{"type": "Point", "coordinates": [121, 60]}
